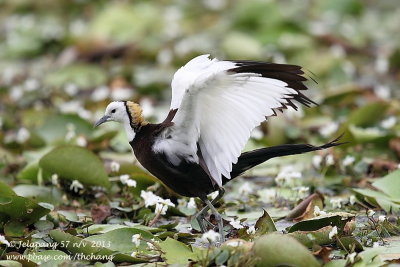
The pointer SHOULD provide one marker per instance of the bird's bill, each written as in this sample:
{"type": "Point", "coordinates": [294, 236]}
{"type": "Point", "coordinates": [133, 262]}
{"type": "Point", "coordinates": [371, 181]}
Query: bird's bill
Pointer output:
{"type": "Point", "coordinates": [102, 120]}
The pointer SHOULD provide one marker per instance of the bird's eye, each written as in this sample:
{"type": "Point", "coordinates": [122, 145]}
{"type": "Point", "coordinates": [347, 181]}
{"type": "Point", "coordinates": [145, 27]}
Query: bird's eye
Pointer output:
{"type": "Point", "coordinates": [113, 111]}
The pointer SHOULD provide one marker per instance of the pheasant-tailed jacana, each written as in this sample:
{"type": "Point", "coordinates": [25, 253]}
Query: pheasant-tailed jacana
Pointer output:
{"type": "Point", "coordinates": [215, 105]}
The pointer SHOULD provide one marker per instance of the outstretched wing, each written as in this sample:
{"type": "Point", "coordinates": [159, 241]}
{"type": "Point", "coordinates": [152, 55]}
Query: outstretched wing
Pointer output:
{"type": "Point", "coordinates": [220, 102]}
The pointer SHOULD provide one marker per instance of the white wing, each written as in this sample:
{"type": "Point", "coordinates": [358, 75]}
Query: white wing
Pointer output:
{"type": "Point", "coordinates": [220, 103]}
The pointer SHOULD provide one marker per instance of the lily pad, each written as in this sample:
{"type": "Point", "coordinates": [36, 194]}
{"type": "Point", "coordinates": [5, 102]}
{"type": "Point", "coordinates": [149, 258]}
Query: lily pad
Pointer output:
{"type": "Point", "coordinates": [338, 219]}
{"type": "Point", "coordinates": [176, 252]}
{"type": "Point", "coordinates": [23, 210]}
{"type": "Point", "coordinates": [282, 250]}
{"type": "Point", "coordinates": [77, 245]}
{"type": "Point", "coordinates": [75, 163]}
{"type": "Point", "coordinates": [121, 239]}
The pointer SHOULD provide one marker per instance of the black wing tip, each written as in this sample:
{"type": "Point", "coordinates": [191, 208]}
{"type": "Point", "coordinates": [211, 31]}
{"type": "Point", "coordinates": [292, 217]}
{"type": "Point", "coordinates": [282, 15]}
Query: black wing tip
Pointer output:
{"type": "Point", "coordinates": [293, 75]}
{"type": "Point", "coordinates": [334, 142]}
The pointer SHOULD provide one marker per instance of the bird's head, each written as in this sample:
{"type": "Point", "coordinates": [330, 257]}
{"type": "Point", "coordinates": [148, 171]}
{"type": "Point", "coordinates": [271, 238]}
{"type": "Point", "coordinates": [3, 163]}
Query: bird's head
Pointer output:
{"type": "Point", "coordinates": [126, 112]}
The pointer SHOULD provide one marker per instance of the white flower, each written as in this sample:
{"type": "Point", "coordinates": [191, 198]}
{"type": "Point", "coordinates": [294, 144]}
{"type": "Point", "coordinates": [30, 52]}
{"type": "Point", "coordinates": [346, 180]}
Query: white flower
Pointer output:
{"type": "Point", "coordinates": [100, 93]}
{"type": "Point", "coordinates": [162, 206]}
{"type": "Point", "coordinates": [136, 239]}
{"type": "Point", "coordinates": [318, 211]}
{"type": "Point", "coordinates": [352, 199]}
{"type": "Point", "coordinates": [286, 174]}
{"type": "Point", "coordinates": [245, 189]}
{"type": "Point", "coordinates": [134, 254]}
{"type": "Point", "coordinates": [236, 224]}
{"type": "Point", "coordinates": [267, 195]}
{"type": "Point", "coordinates": [333, 232]}
{"type": "Point", "coordinates": [81, 141]}
{"type": "Point", "coordinates": [303, 190]}
{"type": "Point", "coordinates": [329, 160]}
{"type": "Point", "coordinates": [389, 122]}
{"type": "Point", "coordinates": [316, 161]}
{"type": "Point", "coordinates": [370, 213]}
{"type": "Point", "coordinates": [351, 257]}
{"type": "Point", "coordinates": [124, 178]}
{"type": "Point", "coordinates": [381, 218]}
{"type": "Point", "coordinates": [149, 198]}
{"type": "Point", "coordinates": [191, 204]}
{"type": "Point", "coordinates": [75, 186]}
{"type": "Point", "coordinates": [71, 89]}
{"type": "Point", "coordinates": [22, 135]}
{"type": "Point", "coordinates": [329, 129]}
{"type": "Point", "coordinates": [115, 166]}
{"type": "Point", "coordinates": [348, 160]}
{"type": "Point", "coordinates": [336, 203]}
{"type": "Point", "coordinates": [54, 179]}
{"type": "Point", "coordinates": [70, 132]}
{"type": "Point", "coordinates": [31, 85]}
{"type": "Point", "coordinates": [131, 183]}
{"type": "Point", "coordinates": [3, 240]}
{"type": "Point", "coordinates": [150, 245]}
{"type": "Point", "coordinates": [210, 236]}
{"type": "Point", "coordinates": [251, 230]}
{"type": "Point", "coordinates": [382, 91]}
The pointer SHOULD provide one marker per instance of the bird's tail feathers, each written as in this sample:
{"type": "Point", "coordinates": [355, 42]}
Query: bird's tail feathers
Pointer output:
{"type": "Point", "coordinates": [253, 158]}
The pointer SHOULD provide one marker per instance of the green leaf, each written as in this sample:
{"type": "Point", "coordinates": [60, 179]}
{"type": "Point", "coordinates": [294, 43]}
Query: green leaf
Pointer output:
{"type": "Point", "coordinates": [75, 163]}
{"type": "Point", "coordinates": [338, 219]}
{"type": "Point", "coordinates": [20, 209]}
{"type": "Point", "coordinates": [5, 190]}
{"type": "Point", "coordinates": [39, 193]}
{"type": "Point", "coordinates": [53, 257]}
{"type": "Point", "coordinates": [81, 75]}
{"type": "Point", "coordinates": [265, 224]}
{"type": "Point", "coordinates": [311, 238]}
{"type": "Point", "coordinates": [176, 252]}
{"type": "Point", "coordinates": [7, 263]}
{"type": "Point", "coordinates": [14, 228]}
{"type": "Point", "coordinates": [121, 239]}
{"type": "Point", "coordinates": [282, 250]}
{"type": "Point", "coordinates": [390, 184]}
{"type": "Point", "coordinates": [55, 127]}
{"type": "Point", "coordinates": [368, 114]}
{"type": "Point", "coordinates": [77, 245]}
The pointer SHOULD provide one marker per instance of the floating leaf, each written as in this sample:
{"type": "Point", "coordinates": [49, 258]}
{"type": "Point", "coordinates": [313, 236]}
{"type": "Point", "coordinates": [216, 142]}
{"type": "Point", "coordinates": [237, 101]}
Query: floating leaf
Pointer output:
{"type": "Point", "coordinates": [77, 245]}
{"type": "Point", "coordinates": [176, 252]}
{"type": "Point", "coordinates": [75, 163]}
{"type": "Point", "coordinates": [389, 184]}
{"type": "Point", "coordinates": [265, 224]}
{"type": "Point", "coordinates": [23, 210]}
{"type": "Point", "coordinates": [121, 239]}
{"type": "Point", "coordinates": [55, 128]}
{"type": "Point", "coordinates": [311, 238]}
{"type": "Point", "coordinates": [338, 219]}
{"type": "Point", "coordinates": [80, 75]}
{"type": "Point", "coordinates": [39, 193]}
{"type": "Point", "coordinates": [282, 250]}
{"type": "Point", "coordinates": [5, 190]}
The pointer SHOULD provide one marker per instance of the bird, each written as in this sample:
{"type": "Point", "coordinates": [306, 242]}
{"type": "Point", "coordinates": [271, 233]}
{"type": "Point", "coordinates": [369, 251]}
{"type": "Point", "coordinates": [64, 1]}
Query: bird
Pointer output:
{"type": "Point", "coordinates": [215, 105]}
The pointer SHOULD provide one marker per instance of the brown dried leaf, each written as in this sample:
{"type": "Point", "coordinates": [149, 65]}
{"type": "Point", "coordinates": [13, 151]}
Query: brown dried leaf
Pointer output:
{"type": "Point", "coordinates": [100, 213]}
{"type": "Point", "coordinates": [305, 209]}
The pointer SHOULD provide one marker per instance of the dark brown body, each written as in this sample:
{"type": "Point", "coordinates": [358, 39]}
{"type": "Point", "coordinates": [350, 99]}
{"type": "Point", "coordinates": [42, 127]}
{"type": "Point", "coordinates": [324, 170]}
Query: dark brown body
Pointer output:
{"type": "Point", "coordinates": [187, 179]}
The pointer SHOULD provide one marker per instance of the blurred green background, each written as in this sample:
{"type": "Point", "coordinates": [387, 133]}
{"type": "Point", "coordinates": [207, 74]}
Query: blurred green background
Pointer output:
{"type": "Point", "coordinates": [63, 61]}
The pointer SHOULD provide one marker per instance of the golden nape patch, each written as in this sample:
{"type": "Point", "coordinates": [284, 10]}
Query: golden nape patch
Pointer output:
{"type": "Point", "coordinates": [136, 113]}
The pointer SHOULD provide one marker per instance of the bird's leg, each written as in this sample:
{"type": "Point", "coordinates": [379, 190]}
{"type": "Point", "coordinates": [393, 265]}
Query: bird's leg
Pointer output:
{"type": "Point", "coordinates": [218, 218]}
{"type": "Point", "coordinates": [200, 217]}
